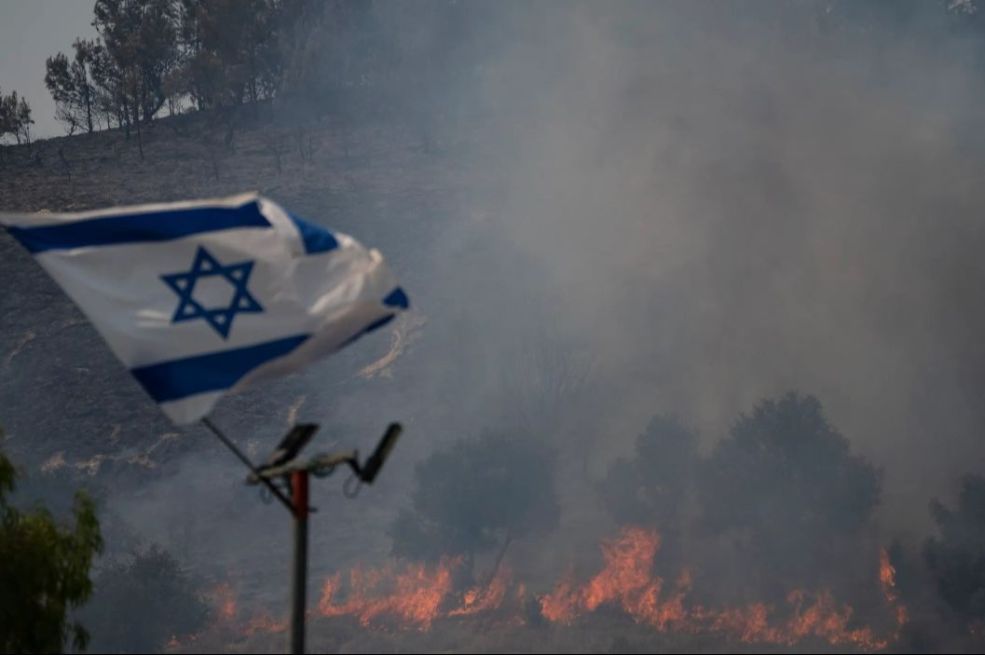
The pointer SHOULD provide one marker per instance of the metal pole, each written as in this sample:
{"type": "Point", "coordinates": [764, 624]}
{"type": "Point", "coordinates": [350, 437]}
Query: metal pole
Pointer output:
{"type": "Point", "coordinates": [299, 498]}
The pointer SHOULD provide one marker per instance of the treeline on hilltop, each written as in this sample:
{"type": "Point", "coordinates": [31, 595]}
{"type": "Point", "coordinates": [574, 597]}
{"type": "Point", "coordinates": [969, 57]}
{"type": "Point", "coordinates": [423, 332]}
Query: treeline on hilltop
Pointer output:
{"type": "Point", "coordinates": [163, 57]}
{"type": "Point", "coordinates": [152, 55]}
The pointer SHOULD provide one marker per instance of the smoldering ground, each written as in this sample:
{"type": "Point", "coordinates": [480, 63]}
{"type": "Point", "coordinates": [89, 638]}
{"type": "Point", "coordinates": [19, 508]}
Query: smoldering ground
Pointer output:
{"type": "Point", "coordinates": [658, 208]}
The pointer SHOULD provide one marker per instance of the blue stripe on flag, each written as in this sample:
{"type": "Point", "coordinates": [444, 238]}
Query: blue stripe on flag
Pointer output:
{"type": "Point", "coordinates": [316, 238]}
{"type": "Point", "coordinates": [212, 372]}
{"type": "Point", "coordinates": [397, 298]}
{"type": "Point", "coordinates": [133, 228]}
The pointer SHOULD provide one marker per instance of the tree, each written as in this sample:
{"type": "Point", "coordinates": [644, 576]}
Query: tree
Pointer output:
{"type": "Point", "coordinates": [475, 493]}
{"type": "Point", "coordinates": [44, 572]}
{"type": "Point", "coordinates": [956, 559]}
{"type": "Point", "coordinates": [15, 117]}
{"type": "Point", "coordinates": [24, 121]}
{"type": "Point", "coordinates": [786, 488]}
{"type": "Point", "coordinates": [219, 54]}
{"type": "Point", "coordinates": [138, 38]}
{"type": "Point", "coordinates": [653, 488]}
{"type": "Point", "coordinates": [230, 50]}
{"type": "Point", "coordinates": [111, 98]}
{"type": "Point", "coordinates": [73, 85]}
{"type": "Point", "coordinates": [6, 117]}
{"type": "Point", "coordinates": [141, 601]}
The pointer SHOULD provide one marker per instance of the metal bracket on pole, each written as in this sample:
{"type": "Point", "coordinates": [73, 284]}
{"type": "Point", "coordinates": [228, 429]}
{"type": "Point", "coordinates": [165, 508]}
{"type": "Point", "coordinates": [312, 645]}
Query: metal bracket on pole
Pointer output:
{"type": "Point", "coordinates": [324, 464]}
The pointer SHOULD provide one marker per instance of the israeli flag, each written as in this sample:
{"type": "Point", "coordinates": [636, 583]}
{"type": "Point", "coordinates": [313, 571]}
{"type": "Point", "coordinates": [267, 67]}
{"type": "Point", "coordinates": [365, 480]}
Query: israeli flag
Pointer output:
{"type": "Point", "coordinates": [202, 298]}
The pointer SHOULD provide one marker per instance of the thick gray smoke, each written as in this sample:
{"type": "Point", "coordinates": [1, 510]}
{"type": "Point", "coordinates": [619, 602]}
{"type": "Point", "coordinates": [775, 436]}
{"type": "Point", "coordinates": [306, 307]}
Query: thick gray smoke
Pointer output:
{"type": "Point", "coordinates": [725, 201]}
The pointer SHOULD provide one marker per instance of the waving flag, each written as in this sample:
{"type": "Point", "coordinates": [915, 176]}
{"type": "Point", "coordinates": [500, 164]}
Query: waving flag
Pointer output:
{"type": "Point", "coordinates": [201, 298]}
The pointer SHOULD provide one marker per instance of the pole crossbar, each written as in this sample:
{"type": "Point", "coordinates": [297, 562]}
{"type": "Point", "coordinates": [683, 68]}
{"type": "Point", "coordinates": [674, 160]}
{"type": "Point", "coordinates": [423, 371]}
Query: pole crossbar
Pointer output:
{"type": "Point", "coordinates": [317, 465]}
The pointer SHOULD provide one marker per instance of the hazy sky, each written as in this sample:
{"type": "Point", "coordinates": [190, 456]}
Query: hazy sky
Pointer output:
{"type": "Point", "coordinates": [30, 31]}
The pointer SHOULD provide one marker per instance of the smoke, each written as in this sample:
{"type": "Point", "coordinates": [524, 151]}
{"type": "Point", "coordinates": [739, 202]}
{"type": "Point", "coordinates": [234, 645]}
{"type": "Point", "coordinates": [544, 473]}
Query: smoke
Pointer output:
{"type": "Point", "coordinates": [707, 205]}
{"type": "Point", "coordinates": [722, 202]}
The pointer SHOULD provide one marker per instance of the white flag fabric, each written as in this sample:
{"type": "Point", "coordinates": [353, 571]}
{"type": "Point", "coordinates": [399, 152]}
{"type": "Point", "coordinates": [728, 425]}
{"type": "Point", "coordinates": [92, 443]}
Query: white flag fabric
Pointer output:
{"type": "Point", "coordinates": [201, 298]}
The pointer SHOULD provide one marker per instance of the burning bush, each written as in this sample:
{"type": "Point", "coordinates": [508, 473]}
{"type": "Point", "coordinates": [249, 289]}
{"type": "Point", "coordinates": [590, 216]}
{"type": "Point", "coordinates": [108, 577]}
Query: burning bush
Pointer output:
{"type": "Point", "coordinates": [653, 487]}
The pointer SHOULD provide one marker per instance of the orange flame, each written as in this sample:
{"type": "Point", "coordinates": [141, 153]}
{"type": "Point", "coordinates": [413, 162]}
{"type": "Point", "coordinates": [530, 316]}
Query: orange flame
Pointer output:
{"type": "Point", "coordinates": [224, 598]}
{"type": "Point", "coordinates": [263, 623]}
{"type": "Point", "coordinates": [825, 620]}
{"type": "Point", "coordinates": [484, 599]}
{"type": "Point", "coordinates": [417, 594]}
{"type": "Point", "coordinates": [626, 578]}
{"type": "Point", "coordinates": [887, 578]}
{"type": "Point", "coordinates": [226, 613]}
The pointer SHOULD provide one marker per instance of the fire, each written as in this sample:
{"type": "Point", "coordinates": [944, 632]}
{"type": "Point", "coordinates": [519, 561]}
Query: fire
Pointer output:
{"type": "Point", "coordinates": [824, 619]}
{"type": "Point", "coordinates": [887, 578]}
{"type": "Point", "coordinates": [748, 624]}
{"type": "Point", "coordinates": [228, 620]}
{"type": "Point", "coordinates": [224, 599]}
{"type": "Point", "coordinates": [416, 596]}
{"type": "Point", "coordinates": [483, 599]}
{"type": "Point", "coordinates": [263, 623]}
{"type": "Point", "coordinates": [626, 579]}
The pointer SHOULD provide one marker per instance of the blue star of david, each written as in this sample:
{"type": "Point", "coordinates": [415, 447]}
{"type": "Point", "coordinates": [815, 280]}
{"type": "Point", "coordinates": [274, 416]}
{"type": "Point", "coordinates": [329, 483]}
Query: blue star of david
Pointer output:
{"type": "Point", "coordinates": [220, 318]}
